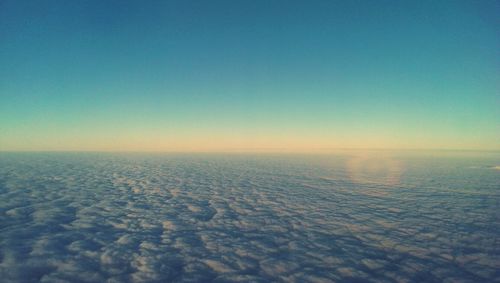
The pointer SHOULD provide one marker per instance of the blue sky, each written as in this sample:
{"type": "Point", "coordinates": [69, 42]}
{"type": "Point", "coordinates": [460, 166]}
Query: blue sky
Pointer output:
{"type": "Point", "coordinates": [231, 75]}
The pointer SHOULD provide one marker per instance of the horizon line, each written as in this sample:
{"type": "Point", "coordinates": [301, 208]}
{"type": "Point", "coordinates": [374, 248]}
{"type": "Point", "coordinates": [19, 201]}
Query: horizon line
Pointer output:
{"type": "Point", "coordinates": [259, 150]}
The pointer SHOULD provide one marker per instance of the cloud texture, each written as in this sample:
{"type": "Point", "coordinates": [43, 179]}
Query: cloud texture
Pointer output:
{"type": "Point", "coordinates": [181, 218]}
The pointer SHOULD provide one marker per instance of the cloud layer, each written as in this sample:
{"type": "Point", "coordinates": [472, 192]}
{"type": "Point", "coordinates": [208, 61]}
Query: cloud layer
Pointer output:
{"type": "Point", "coordinates": [180, 218]}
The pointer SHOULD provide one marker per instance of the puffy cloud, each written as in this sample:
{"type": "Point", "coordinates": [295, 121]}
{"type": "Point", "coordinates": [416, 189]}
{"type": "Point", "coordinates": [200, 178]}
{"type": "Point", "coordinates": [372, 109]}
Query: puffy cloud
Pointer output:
{"type": "Point", "coordinates": [131, 218]}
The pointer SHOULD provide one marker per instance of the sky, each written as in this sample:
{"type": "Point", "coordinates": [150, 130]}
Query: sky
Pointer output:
{"type": "Point", "coordinates": [249, 75]}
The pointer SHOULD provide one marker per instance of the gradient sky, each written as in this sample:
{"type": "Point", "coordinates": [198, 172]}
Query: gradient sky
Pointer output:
{"type": "Point", "coordinates": [249, 75]}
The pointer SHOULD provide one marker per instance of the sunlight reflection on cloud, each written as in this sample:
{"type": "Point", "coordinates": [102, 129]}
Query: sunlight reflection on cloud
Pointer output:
{"type": "Point", "coordinates": [375, 168]}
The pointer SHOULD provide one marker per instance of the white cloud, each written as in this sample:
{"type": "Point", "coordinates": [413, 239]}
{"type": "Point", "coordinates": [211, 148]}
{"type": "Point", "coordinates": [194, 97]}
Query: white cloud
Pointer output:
{"type": "Point", "coordinates": [117, 218]}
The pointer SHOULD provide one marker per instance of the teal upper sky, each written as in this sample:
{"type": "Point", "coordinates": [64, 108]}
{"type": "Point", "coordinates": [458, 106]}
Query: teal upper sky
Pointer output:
{"type": "Point", "coordinates": [249, 74]}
